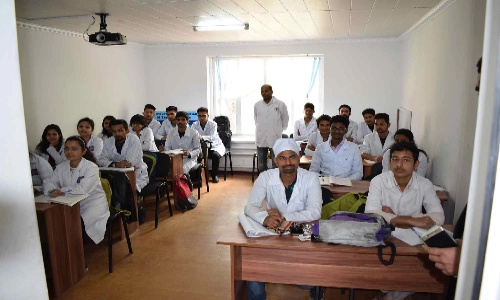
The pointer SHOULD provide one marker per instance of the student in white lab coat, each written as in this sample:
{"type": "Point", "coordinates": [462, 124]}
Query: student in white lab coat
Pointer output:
{"type": "Point", "coordinates": [80, 175]}
{"type": "Point", "coordinates": [271, 119]}
{"type": "Point", "coordinates": [208, 131]}
{"type": "Point", "coordinates": [149, 114]}
{"type": "Point", "coordinates": [51, 146]}
{"type": "Point", "coordinates": [305, 126]}
{"type": "Point", "coordinates": [339, 157]}
{"type": "Point", "coordinates": [85, 129]}
{"type": "Point", "coordinates": [405, 135]}
{"type": "Point", "coordinates": [345, 110]}
{"type": "Point", "coordinates": [41, 171]}
{"type": "Point", "coordinates": [366, 127]}
{"type": "Point", "coordinates": [144, 133]}
{"type": "Point", "coordinates": [123, 150]}
{"type": "Point", "coordinates": [320, 136]}
{"type": "Point", "coordinates": [167, 125]}
{"type": "Point", "coordinates": [106, 130]}
{"type": "Point", "coordinates": [289, 192]}
{"type": "Point", "coordinates": [185, 138]}
{"type": "Point", "coordinates": [376, 143]}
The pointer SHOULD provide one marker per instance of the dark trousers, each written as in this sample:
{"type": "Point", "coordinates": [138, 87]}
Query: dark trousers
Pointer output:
{"type": "Point", "coordinates": [215, 157]}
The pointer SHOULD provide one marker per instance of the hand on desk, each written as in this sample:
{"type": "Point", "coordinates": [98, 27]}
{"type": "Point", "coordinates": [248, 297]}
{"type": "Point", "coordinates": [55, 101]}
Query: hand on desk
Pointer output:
{"type": "Point", "coordinates": [408, 222]}
{"type": "Point", "coordinates": [447, 259]}
{"type": "Point", "coordinates": [56, 193]}
{"type": "Point", "coordinates": [123, 164]}
{"type": "Point", "coordinates": [273, 221]}
{"type": "Point", "coordinates": [186, 153]}
{"type": "Point", "coordinates": [388, 210]}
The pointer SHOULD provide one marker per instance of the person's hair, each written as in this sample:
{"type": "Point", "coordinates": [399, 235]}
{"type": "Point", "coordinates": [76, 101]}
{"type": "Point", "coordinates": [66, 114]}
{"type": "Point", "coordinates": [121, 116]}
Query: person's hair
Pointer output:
{"type": "Point", "coordinates": [138, 119]}
{"type": "Point", "coordinates": [382, 116]}
{"type": "Point", "coordinates": [369, 111]}
{"type": "Point", "coordinates": [88, 155]}
{"type": "Point", "coordinates": [309, 105]}
{"type": "Point", "coordinates": [269, 86]}
{"type": "Point", "coordinates": [479, 65]}
{"type": "Point", "coordinates": [104, 131]}
{"type": "Point", "coordinates": [182, 114]}
{"type": "Point", "coordinates": [88, 120]}
{"type": "Point", "coordinates": [405, 132]}
{"type": "Point", "coordinates": [340, 119]}
{"type": "Point", "coordinates": [202, 109]}
{"type": "Point", "coordinates": [406, 146]}
{"type": "Point", "coordinates": [44, 143]}
{"type": "Point", "coordinates": [323, 118]}
{"type": "Point", "coordinates": [174, 108]}
{"type": "Point", "coordinates": [347, 106]}
{"type": "Point", "coordinates": [150, 106]}
{"type": "Point", "coordinates": [119, 122]}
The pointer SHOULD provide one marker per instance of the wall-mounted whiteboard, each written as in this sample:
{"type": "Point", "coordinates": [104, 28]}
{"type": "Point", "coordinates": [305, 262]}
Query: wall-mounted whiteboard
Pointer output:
{"type": "Point", "coordinates": [404, 118]}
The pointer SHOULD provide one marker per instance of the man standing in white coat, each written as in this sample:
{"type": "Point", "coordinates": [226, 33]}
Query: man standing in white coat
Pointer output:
{"type": "Point", "coordinates": [124, 150]}
{"type": "Point", "coordinates": [352, 130]}
{"type": "Point", "coordinates": [271, 119]}
{"type": "Point", "coordinates": [305, 126]}
{"type": "Point", "coordinates": [376, 143]}
{"type": "Point", "coordinates": [208, 131]}
{"type": "Point", "coordinates": [289, 192]}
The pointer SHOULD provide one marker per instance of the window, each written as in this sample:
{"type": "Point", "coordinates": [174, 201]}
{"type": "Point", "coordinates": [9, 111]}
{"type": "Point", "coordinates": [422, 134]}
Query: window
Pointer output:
{"type": "Point", "coordinates": [234, 87]}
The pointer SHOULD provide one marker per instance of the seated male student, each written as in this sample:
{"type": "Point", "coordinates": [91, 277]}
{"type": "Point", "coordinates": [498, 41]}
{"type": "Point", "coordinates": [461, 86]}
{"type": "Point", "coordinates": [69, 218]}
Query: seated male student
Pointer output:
{"type": "Point", "coordinates": [208, 131]}
{"type": "Point", "coordinates": [167, 125]}
{"type": "Point", "coordinates": [185, 138]}
{"type": "Point", "coordinates": [124, 150]}
{"type": "Point", "coordinates": [366, 127]}
{"type": "Point", "coordinates": [149, 114]}
{"type": "Point", "coordinates": [376, 143]}
{"type": "Point", "coordinates": [289, 192]}
{"type": "Point", "coordinates": [339, 157]}
{"type": "Point", "coordinates": [405, 135]}
{"type": "Point", "coordinates": [320, 136]}
{"type": "Point", "coordinates": [345, 110]}
{"type": "Point", "coordinates": [305, 126]}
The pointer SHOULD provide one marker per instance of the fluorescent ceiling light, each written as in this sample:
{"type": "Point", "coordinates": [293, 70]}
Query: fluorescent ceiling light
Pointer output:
{"type": "Point", "coordinates": [221, 27]}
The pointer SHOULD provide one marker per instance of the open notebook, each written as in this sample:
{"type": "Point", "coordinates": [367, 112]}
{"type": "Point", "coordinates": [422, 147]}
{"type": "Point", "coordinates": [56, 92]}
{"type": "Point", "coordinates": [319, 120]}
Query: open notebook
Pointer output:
{"type": "Point", "coordinates": [175, 151]}
{"type": "Point", "coordinates": [331, 180]}
{"type": "Point", "coordinates": [124, 170]}
{"type": "Point", "coordinates": [412, 236]}
{"type": "Point", "coordinates": [67, 199]}
{"type": "Point", "coordinates": [252, 228]}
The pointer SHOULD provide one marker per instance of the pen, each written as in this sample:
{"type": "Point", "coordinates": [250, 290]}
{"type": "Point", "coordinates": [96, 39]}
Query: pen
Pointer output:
{"type": "Point", "coordinates": [416, 232]}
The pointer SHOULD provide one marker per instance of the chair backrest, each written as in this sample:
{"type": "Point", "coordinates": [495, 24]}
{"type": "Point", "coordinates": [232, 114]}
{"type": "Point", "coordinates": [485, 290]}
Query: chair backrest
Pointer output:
{"type": "Point", "coordinates": [204, 150]}
{"type": "Point", "coordinates": [224, 130]}
{"type": "Point", "coordinates": [107, 190]}
{"type": "Point", "coordinates": [162, 165]}
{"type": "Point", "coordinates": [150, 158]}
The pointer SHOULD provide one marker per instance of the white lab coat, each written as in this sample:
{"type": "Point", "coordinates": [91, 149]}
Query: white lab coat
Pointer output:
{"type": "Point", "coordinates": [373, 146]}
{"type": "Point", "coordinates": [102, 136]}
{"type": "Point", "coordinates": [58, 156]}
{"type": "Point", "coordinates": [346, 163]}
{"type": "Point", "coordinates": [95, 146]}
{"type": "Point", "coordinates": [305, 131]}
{"type": "Point", "coordinates": [165, 128]}
{"type": "Point", "coordinates": [154, 125]}
{"type": "Point", "coordinates": [314, 139]}
{"type": "Point", "coordinates": [352, 130]}
{"type": "Point", "coordinates": [41, 171]}
{"type": "Point", "coordinates": [271, 120]}
{"type": "Point", "coordinates": [210, 134]}
{"type": "Point", "coordinates": [422, 166]}
{"type": "Point", "coordinates": [305, 202]}
{"type": "Point", "coordinates": [190, 142]}
{"type": "Point", "coordinates": [147, 140]}
{"type": "Point", "coordinates": [132, 152]}
{"type": "Point", "coordinates": [84, 180]}
{"type": "Point", "coordinates": [361, 132]}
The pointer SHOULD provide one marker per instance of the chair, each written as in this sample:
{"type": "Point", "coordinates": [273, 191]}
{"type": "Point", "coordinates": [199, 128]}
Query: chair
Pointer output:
{"type": "Point", "coordinates": [162, 172]}
{"type": "Point", "coordinates": [195, 172]}
{"type": "Point", "coordinates": [154, 186]}
{"type": "Point", "coordinates": [226, 154]}
{"type": "Point", "coordinates": [327, 195]}
{"type": "Point", "coordinates": [114, 215]}
{"type": "Point", "coordinates": [225, 136]}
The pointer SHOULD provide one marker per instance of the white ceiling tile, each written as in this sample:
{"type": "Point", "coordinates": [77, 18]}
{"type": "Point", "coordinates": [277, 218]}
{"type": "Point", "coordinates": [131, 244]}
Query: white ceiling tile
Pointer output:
{"type": "Point", "coordinates": [208, 7]}
{"type": "Point", "coordinates": [272, 6]}
{"type": "Point", "coordinates": [228, 20]}
{"type": "Point", "coordinates": [362, 4]}
{"type": "Point", "coordinates": [383, 4]}
{"type": "Point", "coordinates": [429, 3]}
{"type": "Point", "coordinates": [341, 21]}
{"type": "Point", "coordinates": [339, 4]}
{"type": "Point", "coordinates": [307, 24]}
{"type": "Point", "coordinates": [397, 17]}
{"type": "Point", "coordinates": [294, 5]}
{"type": "Point", "coordinates": [189, 9]}
{"type": "Point", "coordinates": [378, 18]}
{"type": "Point", "coordinates": [50, 13]}
{"type": "Point", "coordinates": [169, 10]}
{"type": "Point", "coordinates": [228, 6]}
{"type": "Point", "coordinates": [414, 17]}
{"type": "Point", "coordinates": [286, 20]}
{"type": "Point", "coordinates": [251, 6]}
{"type": "Point", "coordinates": [359, 19]}
{"type": "Point", "coordinates": [408, 3]}
{"type": "Point", "coordinates": [323, 22]}
{"type": "Point", "coordinates": [257, 26]}
{"type": "Point", "coordinates": [313, 5]}
{"type": "Point", "coordinates": [273, 25]}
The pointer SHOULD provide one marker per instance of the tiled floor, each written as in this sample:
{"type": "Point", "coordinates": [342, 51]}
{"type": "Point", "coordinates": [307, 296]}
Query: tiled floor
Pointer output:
{"type": "Point", "coordinates": [180, 259]}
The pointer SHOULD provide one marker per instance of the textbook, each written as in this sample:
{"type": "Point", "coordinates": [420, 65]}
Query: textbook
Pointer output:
{"type": "Point", "coordinates": [417, 236]}
{"type": "Point", "coordinates": [332, 180]}
{"type": "Point", "coordinates": [123, 170]}
{"type": "Point", "coordinates": [252, 228]}
{"type": "Point", "coordinates": [175, 151]}
{"type": "Point", "coordinates": [67, 199]}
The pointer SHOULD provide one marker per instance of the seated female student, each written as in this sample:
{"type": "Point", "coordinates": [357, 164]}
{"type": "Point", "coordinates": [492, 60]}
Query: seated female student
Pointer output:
{"type": "Point", "coordinates": [85, 129]}
{"type": "Point", "coordinates": [41, 171]}
{"type": "Point", "coordinates": [405, 135]}
{"type": "Point", "coordinates": [80, 175]}
{"type": "Point", "coordinates": [144, 133]}
{"type": "Point", "coordinates": [106, 129]}
{"type": "Point", "coordinates": [51, 146]}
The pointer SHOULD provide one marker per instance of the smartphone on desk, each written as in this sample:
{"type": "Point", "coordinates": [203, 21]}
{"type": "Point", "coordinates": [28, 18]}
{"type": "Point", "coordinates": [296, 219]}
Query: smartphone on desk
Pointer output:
{"type": "Point", "coordinates": [438, 237]}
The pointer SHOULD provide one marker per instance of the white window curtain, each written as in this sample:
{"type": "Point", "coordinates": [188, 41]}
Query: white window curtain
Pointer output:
{"type": "Point", "coordinates": [235, 87]}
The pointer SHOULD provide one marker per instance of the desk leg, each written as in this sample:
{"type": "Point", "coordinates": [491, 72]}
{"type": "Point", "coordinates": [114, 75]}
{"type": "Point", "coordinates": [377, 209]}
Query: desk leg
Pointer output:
{"type": "Point", "coordinates": [238, 286]}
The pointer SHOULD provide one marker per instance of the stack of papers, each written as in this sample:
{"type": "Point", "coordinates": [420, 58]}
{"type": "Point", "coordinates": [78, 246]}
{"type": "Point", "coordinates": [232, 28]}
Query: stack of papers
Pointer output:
{"type": "Point", "coordinates": [331, 180]}
{"type": "Point", "coordinates": [252, 228]}
{"type": "Point", "coordinates": [124, 170]}
{"type": "Point", "coordinates": [67, 199]}
{"type": "Point", "coordinates": [175, 151]}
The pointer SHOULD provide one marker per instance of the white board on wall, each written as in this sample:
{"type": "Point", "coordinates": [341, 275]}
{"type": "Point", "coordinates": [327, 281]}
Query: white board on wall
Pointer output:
{"type": "Point", "coordinates": [404, 118]}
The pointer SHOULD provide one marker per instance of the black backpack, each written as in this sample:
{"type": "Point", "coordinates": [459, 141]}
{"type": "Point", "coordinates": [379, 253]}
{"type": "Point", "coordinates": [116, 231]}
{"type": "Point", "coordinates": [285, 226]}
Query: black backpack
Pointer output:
{"type": "Point", "coordinates": [224, 130]}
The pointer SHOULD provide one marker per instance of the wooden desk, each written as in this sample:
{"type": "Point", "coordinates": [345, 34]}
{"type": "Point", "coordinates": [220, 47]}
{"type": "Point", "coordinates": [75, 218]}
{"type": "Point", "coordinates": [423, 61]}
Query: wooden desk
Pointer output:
{"type": "Point", "coordinates": [287, 260]}
{"type": "Point", "coordinates": [367, 168]}
{"type": "Point", "coordinates": [62, 245]}
{"type": "Point", "coordinates": [305, 162]}
{"type": "Point", "coordinates": [175, 166]}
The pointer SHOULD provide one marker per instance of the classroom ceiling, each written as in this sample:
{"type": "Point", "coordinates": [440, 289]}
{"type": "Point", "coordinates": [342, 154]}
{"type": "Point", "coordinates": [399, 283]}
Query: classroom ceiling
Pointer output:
{"type": "Point", "coordinates": [171, 21]}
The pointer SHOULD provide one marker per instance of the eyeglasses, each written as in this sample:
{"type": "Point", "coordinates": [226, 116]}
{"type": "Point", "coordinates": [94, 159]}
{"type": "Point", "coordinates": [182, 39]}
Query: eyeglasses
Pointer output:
{"type": "Point", "coordinates": [335, 129]}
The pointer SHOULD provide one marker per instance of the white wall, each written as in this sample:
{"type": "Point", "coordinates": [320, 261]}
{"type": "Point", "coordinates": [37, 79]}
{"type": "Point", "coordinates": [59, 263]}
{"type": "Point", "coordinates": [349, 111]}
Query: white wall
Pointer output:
{"type": "Point", "coordinates": [363, 75]}
{"type": "Point", "coordinates": [65, 78]}
{"type": "Point", "coordinates": [440, 75]}
{"type": "Point", "coordinates": [22, 274]}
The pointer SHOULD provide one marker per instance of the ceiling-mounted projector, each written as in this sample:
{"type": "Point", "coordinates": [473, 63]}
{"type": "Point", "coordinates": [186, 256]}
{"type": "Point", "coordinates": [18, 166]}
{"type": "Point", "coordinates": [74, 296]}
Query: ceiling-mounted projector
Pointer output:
{"type": "Point", "coordinates": [105, 38]}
